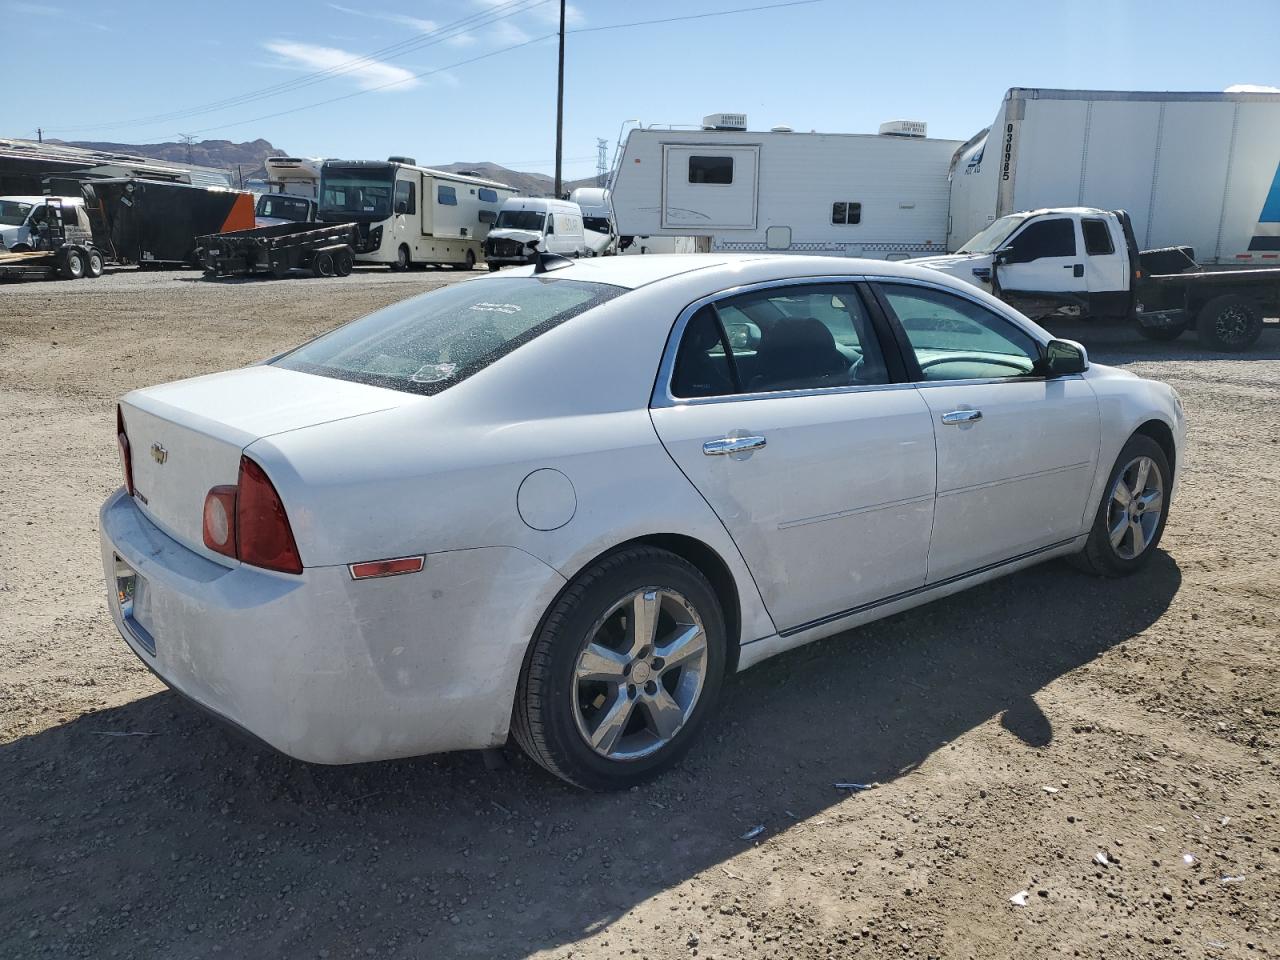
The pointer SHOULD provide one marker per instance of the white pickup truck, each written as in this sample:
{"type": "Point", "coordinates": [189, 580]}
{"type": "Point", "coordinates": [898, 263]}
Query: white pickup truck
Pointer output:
{"type": "Point", "coordinates": [1085, 262]}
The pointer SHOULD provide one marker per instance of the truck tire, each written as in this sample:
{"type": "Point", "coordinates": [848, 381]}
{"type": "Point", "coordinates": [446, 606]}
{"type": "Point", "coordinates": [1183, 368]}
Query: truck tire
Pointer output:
{"type": "Point", "coordinates": [1229, 322]}
{"type": "Point", "coordinates": [494, 268]}
{"type": "Point", "coordinates": [468, 264]}
{"type": "Point", "coordinates": [93, 264]}
{"type": "Point", "coordinates": [322, 264]}
{"type": "Point", "coordinates": [1161, 334]}
{"type": "Point", "coordinates": [343, 261]}
{"type": "Point", "coordinates": [72, 264]}
{"type": "Point", "coordinates": [402, 261]}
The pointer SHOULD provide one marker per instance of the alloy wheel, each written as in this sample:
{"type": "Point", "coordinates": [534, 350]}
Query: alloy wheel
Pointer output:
{"type": "Point", "coordinates": [1137, 500]}
{"type": "Point", "coordinates": [640, 674]}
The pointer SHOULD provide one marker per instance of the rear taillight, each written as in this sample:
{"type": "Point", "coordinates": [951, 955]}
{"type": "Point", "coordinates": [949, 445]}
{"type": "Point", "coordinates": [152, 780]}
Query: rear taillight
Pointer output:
{"type": "Point", "coordinates": [220, 520]}
{"type": "Point", "coordinates": [248, 522]}
{"type": "Point", "coordinates": [122, 442]}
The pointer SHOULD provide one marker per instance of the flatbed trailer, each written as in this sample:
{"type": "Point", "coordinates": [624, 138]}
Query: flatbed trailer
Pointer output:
{"type": "Point", "coordinates": [57, 258]}
{"type": "Point", "coordinates": [326, 250]}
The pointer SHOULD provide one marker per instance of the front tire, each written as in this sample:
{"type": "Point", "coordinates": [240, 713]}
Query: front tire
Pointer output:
{"type": "Point", "coordinates": [1130, 520]}
{"type": "Point", "coordinates": [1231, 323]}
{"type": "Point", "coordinates": [402, 260]}
{"type": "Point", "coordinates": [623, 671]}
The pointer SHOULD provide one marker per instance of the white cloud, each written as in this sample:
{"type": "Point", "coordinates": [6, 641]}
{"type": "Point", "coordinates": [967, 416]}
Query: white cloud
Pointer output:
{"type": "Point", "coordinates": [1251, 88]}
{"type": "Point", "coordinates": [506, 34]}
{"type": "Point", "coordinates": [368, 74]}
{"type": "Point", "coordinates": [413, 23]}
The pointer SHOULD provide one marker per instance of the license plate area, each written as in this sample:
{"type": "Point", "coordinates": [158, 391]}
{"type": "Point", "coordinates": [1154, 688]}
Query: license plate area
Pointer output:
{"type": "Point", "coordinates": [135, 608]}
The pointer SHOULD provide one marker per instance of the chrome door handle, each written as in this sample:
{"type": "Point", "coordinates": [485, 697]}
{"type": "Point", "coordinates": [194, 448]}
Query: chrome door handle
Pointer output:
{"type": "Point", "coordinates": [962, 416]}
{"type": "Point", "coordinates": [728, 445]}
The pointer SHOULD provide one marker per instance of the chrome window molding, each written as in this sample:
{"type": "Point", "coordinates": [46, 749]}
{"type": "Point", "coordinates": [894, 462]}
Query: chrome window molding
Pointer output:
{"type": "Point", "coordinates": [663, 397]}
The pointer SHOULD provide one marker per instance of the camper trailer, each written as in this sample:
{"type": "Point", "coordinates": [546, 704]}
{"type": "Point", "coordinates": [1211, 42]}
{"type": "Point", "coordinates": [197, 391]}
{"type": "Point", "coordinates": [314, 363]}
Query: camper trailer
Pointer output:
{"type": "Point", "coordinates": [410, 215]}
{"type": "Point", "coordinates": [879, 195]}
{"type": "Point", "coordinates": [1200, 169]}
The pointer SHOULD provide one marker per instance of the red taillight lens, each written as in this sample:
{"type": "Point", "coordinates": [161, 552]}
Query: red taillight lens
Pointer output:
{"type": "Point", "coordinates": [263, 535]}
{"type": "Point", "coordinates": [126, 461]}
{"type": "Point", "coordinates": [220, 520]}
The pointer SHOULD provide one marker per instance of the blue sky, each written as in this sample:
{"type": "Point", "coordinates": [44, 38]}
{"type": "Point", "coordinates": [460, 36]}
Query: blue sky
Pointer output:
{"type": "Point", "coordinates": [833, 65]}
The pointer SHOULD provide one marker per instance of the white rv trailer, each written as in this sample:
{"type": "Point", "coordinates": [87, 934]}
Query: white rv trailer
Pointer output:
{"type": "Point", "coordinates": [860, 195]}
{"type": "Point", "coordinates": [410, 215]}
{"type": "Point", "coordinates": [296, 176]}
{"type": "Point", "coordinates": [1201, 169]}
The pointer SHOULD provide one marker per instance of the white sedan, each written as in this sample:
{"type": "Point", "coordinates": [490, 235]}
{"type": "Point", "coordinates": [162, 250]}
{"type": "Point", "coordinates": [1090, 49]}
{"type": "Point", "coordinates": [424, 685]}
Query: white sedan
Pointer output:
{"type": "Point", "coordinates": [563, 502]}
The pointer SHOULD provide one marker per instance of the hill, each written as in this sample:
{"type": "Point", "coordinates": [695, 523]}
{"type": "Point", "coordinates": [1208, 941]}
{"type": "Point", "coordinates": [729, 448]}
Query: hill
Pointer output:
{"type": "Point", "coordinates": [246, 158]}
{"type": "Point", "coordinates": [530, 184]}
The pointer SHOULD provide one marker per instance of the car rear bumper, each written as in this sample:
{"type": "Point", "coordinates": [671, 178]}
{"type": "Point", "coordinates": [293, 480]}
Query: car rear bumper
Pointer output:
{"type": "Point", "coordinates": [324, 668]}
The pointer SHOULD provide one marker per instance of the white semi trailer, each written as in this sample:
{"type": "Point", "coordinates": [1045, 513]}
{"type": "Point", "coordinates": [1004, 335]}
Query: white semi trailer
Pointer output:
{"type": "Point", "coordinates": [1198, 169]}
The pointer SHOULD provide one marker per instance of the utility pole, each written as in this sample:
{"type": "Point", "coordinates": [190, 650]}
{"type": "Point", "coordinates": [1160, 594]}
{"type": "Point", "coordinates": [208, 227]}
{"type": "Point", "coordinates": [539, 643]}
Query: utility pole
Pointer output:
{"type": "Point", "coordinates": [40, 134]}
{"type": "Point", "coordinates": [560, 108]}
{"type": "Point", "coordinates": [602, 161]}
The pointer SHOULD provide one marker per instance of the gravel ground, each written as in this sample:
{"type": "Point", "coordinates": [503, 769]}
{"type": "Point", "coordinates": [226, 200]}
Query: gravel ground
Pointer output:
{"type": "Point", "coordinates": [1013, 733]}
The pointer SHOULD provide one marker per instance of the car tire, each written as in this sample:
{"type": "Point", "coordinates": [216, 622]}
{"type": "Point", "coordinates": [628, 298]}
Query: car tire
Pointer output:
{"type": "Point", "coordinates": [561, 709]}
{"type": "Point", "coordinates": [1161, 334]}
{"type": "Point", "coordinates": [93, 264]}
{"type": "Point", "coordinates": [72, 265]}
{"type": "Point", "coordinates": [402, 261]}
{"type": "Point", "coordinates": [1231, 323]}
{"type": "Point", "coordinates": [1113, 549]}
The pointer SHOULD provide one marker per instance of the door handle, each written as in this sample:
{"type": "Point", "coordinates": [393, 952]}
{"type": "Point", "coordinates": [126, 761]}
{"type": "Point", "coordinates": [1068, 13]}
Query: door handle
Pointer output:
{"type": "Point", "coordinates": [956, 417]}
{"type": "Point", "coordinates": [728, 445]}
{"type": "Point", "coordinates": [1077, 269]}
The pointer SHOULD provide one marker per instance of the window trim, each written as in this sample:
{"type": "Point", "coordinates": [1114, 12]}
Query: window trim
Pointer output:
{"type": "Point", "coordinates": [908, 352]}
{"type": "Point", "coordinates": [662, 395]}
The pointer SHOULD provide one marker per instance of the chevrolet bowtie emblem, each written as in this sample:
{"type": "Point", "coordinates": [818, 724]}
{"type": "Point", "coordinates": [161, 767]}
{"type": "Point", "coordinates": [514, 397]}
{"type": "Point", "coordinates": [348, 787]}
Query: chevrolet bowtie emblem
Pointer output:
{"type": "Point", "coordinates": [158, 453]}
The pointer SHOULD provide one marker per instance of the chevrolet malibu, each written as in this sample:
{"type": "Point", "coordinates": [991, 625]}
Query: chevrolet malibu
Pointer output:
{"type": "Point", "coordinates": [563, 503]}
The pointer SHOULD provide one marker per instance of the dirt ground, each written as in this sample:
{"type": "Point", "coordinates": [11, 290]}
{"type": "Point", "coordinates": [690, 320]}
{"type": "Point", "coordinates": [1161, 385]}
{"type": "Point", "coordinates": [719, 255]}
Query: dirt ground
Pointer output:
{"type": "Point", "coordinates": [1013, 733]}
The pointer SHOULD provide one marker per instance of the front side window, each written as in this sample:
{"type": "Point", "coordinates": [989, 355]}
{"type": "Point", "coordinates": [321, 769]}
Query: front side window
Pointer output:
{"type": "Point", "coordinates": [433, 341]}
{"type": "Point", "coordinates": [13, 213]}
{"type": "Point", "coordinates": [1045, 238]}
{"type": "Point", "coordinates": [846, 211]}
{"type": "Point", "coordinates": [956, 339]}
{"type": "Point", "coordinates": [1097, 238]}
{"type": "Point", "coordinates": [782, 338]}
{"type": "Point", "coordinates": [406, 201]}
{"type": "Point", "coordinates": [447, 196]}
{"type": "Point", "coordinates": [711, 170]}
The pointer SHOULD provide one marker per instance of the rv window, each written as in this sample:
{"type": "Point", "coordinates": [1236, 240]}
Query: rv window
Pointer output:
{"type": "Point", "coordinates": [405, 194]}
{"type": "Point", "coordinates": [487, 195]}
{"type": "Point", "coordinates": [446, 196]}
{"type": "Point", "coordinates": [1097, 238]}
{"type": "Point", "coordinates": [1045, 238]}
{"type": "Point", "coordinates": [487, 216]}
{"type": "Point", "coordinates": [846, 212]}
{"type": "Point", "coordinates": [711, 169]}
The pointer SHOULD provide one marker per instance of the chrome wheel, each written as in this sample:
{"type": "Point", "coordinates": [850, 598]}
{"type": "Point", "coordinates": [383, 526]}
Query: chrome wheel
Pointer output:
{"type": "Point", "coordinates": [1137, 500]}
{"type": "Point", "coordinates": [640, 674]}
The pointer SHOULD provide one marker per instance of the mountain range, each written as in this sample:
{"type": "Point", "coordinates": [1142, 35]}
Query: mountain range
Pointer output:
{"type": "Point", "coordinates": [247, 160]}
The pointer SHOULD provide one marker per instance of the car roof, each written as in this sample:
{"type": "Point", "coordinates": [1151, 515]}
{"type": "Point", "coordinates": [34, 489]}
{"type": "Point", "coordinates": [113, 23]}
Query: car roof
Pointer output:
{"type": "Point", "coordinates": [640, 270]}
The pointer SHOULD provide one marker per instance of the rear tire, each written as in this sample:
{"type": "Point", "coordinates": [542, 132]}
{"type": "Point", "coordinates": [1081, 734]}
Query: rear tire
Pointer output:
{"type": "Point", "coordinates": [1124, 535]}
{"type": "Point", "coordinates": [606, 702]}
{"type": "Point", "coordinates": [322, 264]}
{"type": "Point", "coordinates": [402, 259]}
{"type": "Point", "coordinates": [72, 265]}
{"type": "Point", "coordinates": [343, 261]}
{"type": "Point", "coordinates": [468, 264]}
{"type": "Point", "coordinates": [1231, 323]}
{"type": "Point", "coordinates": [1161, 334]}
{"type": "Point", "coordinates": [93, 264]}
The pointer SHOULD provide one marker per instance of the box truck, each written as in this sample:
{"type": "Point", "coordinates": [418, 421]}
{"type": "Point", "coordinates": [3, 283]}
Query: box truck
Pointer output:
{"type": "Point", "coordinates": [1197, 169]}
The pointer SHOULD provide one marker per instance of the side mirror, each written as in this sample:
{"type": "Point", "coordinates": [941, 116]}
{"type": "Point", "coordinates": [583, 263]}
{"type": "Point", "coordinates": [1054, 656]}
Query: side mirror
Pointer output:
{"type": "Point", "coordinates": [1062, 358]}
{"type": "Point", "coordinates": [1005, 255]}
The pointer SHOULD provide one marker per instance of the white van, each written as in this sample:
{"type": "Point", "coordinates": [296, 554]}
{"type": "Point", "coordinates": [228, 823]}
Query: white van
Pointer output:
{"type": "Point", "coordinates": [23, 221]}
{"type": "Point", "coordinates": [527, 226]}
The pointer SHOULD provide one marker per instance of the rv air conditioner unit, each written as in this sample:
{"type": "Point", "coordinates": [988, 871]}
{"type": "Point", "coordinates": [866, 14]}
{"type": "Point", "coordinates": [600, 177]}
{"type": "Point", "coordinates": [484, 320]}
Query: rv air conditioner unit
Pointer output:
{"type": "Point", "coordinates": [904, 128]}
{"type": "Point", "coordinates": [407, 161]}
{"type": "Point", "coordinates": [725, 121]}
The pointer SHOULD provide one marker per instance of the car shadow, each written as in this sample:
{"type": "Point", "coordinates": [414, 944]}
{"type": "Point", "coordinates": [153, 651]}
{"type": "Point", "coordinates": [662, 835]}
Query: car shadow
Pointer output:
{"type": "Point", "coordinates": [1117, 343]}
{"type": "Point", "coordinates": [159, 832]}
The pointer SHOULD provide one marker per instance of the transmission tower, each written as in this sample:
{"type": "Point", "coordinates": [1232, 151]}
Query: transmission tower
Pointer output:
{"type": "Point", "coordinates": [602, 162]}
{"type": "Point", "coordinates": [188, 139]}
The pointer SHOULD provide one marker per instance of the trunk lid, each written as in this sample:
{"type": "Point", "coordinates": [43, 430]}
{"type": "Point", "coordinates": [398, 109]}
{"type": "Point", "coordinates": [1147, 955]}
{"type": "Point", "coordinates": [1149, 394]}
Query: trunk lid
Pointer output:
{"type": "Point", "coordinates": [187, 437]}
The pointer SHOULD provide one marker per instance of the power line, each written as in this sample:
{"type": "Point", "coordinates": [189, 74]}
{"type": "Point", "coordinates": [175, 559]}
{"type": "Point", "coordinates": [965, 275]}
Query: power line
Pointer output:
{"type": "Point", "coordinates": [697, 16]}
{"type": "Point", "coordinates": [502, 11]}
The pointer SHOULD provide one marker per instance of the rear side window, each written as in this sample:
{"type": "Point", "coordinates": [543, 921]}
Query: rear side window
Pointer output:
{"type": "Point", "coordinates": [1097, 238]}
{"type": "Point", "coordinates": [433, 341]}
{"type": "Point", "coordinates": [487, 195]}
{"type": "Point", "coordinates": [711, 169]}
{"type": "Point", "coordinates": [782, 338]}
{"type": "Point", "coordinates": [1046, 238]}
{"type": "Point", "coordinates": [447, 196]}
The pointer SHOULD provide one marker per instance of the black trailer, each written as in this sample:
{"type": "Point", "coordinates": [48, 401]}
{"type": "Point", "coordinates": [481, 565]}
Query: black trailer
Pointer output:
{"type": "Point", "coordinates": [327, 250]}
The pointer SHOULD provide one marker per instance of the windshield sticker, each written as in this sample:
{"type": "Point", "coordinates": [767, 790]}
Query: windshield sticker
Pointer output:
{"type": "Point", "coordinates": [496, 307]}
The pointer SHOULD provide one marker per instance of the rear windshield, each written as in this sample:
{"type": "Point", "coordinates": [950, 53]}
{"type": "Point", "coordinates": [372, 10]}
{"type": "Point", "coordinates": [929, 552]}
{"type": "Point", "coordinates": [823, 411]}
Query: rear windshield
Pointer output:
{"type": "Point", "coordinates": [427, 344]}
